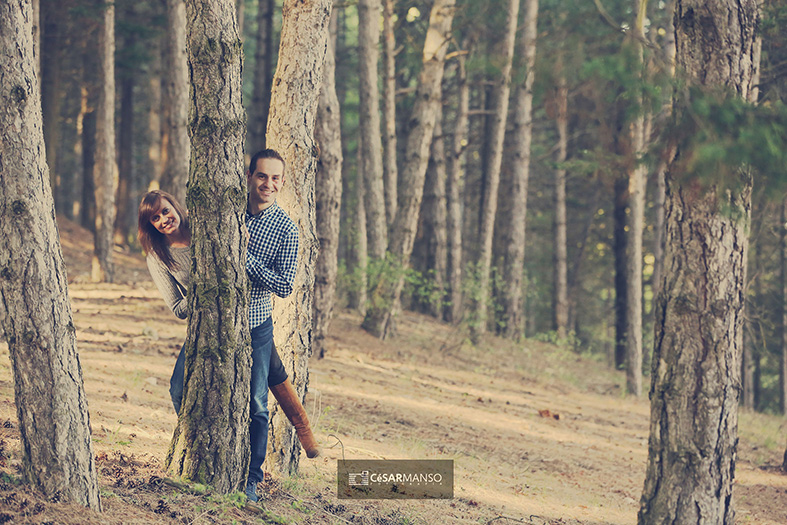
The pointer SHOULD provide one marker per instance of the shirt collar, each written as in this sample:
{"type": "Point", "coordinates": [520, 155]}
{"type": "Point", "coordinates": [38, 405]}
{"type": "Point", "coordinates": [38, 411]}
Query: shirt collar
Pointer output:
{"type": "Point", "coordinates": [264, 212]}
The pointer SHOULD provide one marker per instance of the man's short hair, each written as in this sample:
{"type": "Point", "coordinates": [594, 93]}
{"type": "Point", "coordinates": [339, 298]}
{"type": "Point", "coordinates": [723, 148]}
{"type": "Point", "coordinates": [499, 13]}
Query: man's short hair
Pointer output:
{"type": "Point", "coordinates": [267, 153]}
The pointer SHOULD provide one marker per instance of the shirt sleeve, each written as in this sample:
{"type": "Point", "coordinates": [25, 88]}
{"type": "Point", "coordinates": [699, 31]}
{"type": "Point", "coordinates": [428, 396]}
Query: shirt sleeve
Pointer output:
{"type": "Point", "coordinates": [281, 277]}
{"type": "Point", "coordinates": [168, 287]}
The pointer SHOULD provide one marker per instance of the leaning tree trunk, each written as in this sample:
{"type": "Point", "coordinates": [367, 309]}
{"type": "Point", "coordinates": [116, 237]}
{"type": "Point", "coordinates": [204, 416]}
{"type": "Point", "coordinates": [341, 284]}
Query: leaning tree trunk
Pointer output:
{"type": "Point", "coordinates": [328, 196]}
{"type": "Point", "coordinates": [696, 359]}
{"type": "Point", "coordinates": [211, 440]}
{"type": "Point", "coordinates": [263, 64]}
{"type": "Point", "coordinates": [294, 100]}
{"type": "Point", "coordinates": [54, 425]}
{"type": "Point", "coordinates": [390, 168]}
{"type": "Point", "coordinates": [522, 137]}
{"type": "Point", "coordinates": [105, 175]}
{"type": "Point", "coordinates": [175, 103]}
{"type": "Point", "coordinates": [387, 292]}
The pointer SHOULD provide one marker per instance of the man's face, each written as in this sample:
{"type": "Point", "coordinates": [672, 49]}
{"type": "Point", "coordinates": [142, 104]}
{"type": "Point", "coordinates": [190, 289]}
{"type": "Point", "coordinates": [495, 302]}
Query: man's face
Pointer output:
{"type": "Point", "coordinates": [265, 182]}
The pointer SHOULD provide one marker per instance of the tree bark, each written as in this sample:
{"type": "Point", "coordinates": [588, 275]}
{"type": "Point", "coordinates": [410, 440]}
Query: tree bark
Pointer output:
{"type": "Point", "coordinates": [696, 359]}
{"type": "Point", "coordinates": [57, 452]}
{"type": "Point", "coordinates": [560, 300]}
{"type": "Point", "coordinates": [783, 268]}
{"type": "Point", "coordinates": [105, 171]}
{"type": "Point", "coordinates": [263, 65]}
{"type": "Point", "coordinates": [211, 441]}
{"type": "Point", "coordinates": [513, 304]}
{"type": "Point", "coordinates": [387, 292]}
{"type": "Point", "coordinates": [502, 90]}
{"type": "Point", "coordinates": [294, 100]}
{"type": "Point", "coordinates": [52, 18]}
{"type": "Point", "coordinates": [390, 167]}
{"type": "Point", "coordinates": [125, 225]}
{"type": "Point", "coordinates": [621, 290]}
{"type": "Point", "coordinates": [369, 119]}
{"type": "Point", "coordinates": [175, 147]}
{"type": "Point", "coordinates": [328, 196]}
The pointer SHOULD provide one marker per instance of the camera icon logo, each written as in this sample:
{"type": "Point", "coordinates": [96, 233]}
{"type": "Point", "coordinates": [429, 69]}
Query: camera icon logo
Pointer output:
{"type": "Point", "coordinates": [359, 478]}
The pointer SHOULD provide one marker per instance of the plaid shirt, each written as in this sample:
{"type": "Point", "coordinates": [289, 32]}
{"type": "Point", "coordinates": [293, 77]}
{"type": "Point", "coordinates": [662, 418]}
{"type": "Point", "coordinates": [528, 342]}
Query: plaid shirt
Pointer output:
{"type": "Point", "coordinates": [270, 259]}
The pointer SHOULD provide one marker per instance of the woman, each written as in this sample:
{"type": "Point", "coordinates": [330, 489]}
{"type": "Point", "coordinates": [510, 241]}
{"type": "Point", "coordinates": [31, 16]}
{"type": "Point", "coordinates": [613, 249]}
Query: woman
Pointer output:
{"type": "Point", "coordinates": [165, 236]}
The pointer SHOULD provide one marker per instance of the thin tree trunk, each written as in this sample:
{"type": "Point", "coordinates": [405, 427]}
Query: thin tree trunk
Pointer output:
{"type": "Point", "coordinates": [390, 169]}
{"type": "Point", "coordinates": [240, 12]}
{"type": "Point", "coordinates": [328, 196]}
{"type": "Point", "coordinates": [621, 290]}
{"type": "Point", "coordinates": [125, 226]}
{"type": "Point", "coordinates": [263, 66]}
{"type": "Point", "coordinates": [51, 85]}
{"type": "Point", "coordinates": [175, 104]}
{"type": "Point", "coordinates": [492, 168]}
{"type": "Point", "coordinates": [294, 101]}
{"type": "Point", "coordinates": [359, 295]}
{"type": "Point", "coordinates": [386, 295]}
{"type": "Point", "coordinates": [561, 243]}
{"type": "Point", "coordinates": [57, 452]}
{"type": "Point", "coordinates": [434, 222]}
{"type": "Point", "coordinates": [696, 359]}
{"type": "Point", "coordinates": [783, 268]}
{"type": "Point", "coordinates": [211, 441]}
{"type": "Point", "coordinates": [105, 176]}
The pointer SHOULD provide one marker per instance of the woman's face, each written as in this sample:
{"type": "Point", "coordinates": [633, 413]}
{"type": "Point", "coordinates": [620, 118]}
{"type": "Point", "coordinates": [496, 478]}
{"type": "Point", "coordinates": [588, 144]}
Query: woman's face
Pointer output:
{"type": "Point", "coordinates": [165, 219]}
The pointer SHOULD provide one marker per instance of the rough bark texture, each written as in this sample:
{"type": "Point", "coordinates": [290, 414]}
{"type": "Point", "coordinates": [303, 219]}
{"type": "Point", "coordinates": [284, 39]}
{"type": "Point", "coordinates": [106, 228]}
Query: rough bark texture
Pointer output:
{"type": "Point", "coordinates": [455, 186]}
{"type": "Point", "coordinates": [390, 167]}
{"type": "Point", "coordinates": [560, 300]}
{"type": "Point", "coordinates": [327, 196]}
{"type": "Point", "coordinates": [175, 147]}
{"type": "Point", "coordinates": [385, 296]}
{"type": "Point", "coordinates": [105, 171]}
{"type": "Point", "coordinates": [369, 119]}
{"type": "Point", "coordinates": [263, 66]}
{"type": "Point", "coordinates": [513, 304]}
{"type": "Point", "coordinates": [502, 90]}
{"type": "Point", "coordinates": [54, 426]}
{"type": "Point", "coordinates": [294, 100]}
{"type": "Point", "coordinates": [211, 440]}
{"type": "Point", "coordinates": [696, 359]}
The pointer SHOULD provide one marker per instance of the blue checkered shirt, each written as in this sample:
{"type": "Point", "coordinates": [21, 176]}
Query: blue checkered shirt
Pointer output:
{"type": "Point", "coordinates": [270, 259]}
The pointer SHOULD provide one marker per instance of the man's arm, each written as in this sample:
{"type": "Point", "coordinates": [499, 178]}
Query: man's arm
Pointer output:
{"type": "Point", "coordinates": [281, 277]}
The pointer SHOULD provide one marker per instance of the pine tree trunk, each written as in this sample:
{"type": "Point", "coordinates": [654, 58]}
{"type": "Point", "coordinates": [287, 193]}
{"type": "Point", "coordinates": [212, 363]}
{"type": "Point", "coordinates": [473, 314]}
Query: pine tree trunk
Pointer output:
{"type": "Point", "coordinates": [263, 65]}
{"type": "Point", "coordinates": [492, 167]}
{"type": "Point", "coordinates": [561, 243]}
{"type": "Point", "coordinates": [390, 167]}
{"type": "Point", "coordinates": [434, 222]}
{"type": "Point", "coordinates": [696, 359]}
{"type": "Point", "coordinates": [57, 451]}
{"type": "Point", "coordinates": [105, 175]}
{"type": "Point", "coordinates": [513, 304]}
{"type": "Point", "coordinates": [211, 441]}
{"type": "Point", "coordinates": [294, 101]}
{"type": "Point", "coordinates": [53, 17]}
{"type": "Point", "coordinates": [175, 104]}
{"type": "Point", "coordinates": [783, 268]}
{"type": "Point", "coordinates": [327, 196]}
{"type": "Point", "coordinates": [455, 184]}
{"type": "Point", "coordinates": [619, 248]}
{"type": "Point", "coordinates": [369, 119]}
{"type": "Point", "coordinates": [386, 295]}
{"type": "Point", "coordinates": [240, 13]}
{"type": "Point", "coordinates": [125, 225]}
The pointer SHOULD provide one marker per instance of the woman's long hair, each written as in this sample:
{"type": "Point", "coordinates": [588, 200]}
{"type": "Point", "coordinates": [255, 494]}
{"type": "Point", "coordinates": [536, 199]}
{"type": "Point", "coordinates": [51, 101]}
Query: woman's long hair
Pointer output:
{"type": "Point", "coordinates": [152, 240]}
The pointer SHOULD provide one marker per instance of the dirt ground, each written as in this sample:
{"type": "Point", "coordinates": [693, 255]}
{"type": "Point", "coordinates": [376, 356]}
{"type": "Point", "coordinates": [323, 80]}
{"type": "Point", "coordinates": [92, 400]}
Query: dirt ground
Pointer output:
{"type": "Point", "coordinates": [538, 433]}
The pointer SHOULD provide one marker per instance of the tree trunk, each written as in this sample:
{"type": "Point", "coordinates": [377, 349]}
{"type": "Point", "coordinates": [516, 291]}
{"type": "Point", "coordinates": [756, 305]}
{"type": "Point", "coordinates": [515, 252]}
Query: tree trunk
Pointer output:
{"type": "Point", "coordinates": [455, 186]}
{"type": "Point", "coordinates": [696, 359]}
{"type": "Point", "coordinates": [385, 297]}
{"type": "Point", "coordinates": [294, 100]}
{"type": "Point", "coordinates": [125, 225]}
{"type": "Point", "coordinates": [619, 248]}
{"type": "Point", "coordinates": [492, 167]}
{"type": "Point", "coordinates": [175, 147]}
{"type": "Point", "coordinates": [211, 441]}
{"type": "Point", "coordinates": [240, 13]}
{"type": "Point", "coordinates": [369, 118]}
{"type": "Point", "coordinates": [390, 169]}
{"type": "Point", "coordinates": [783, 268]}
{"type": "Point", "coordinates": [513, 304]}
{"type": "Point", "coordinates": [57, 452]}
{"type": "Point", "coordinates": [51, 84]}
{"type": "Point", "coordinates": [359, 253]}
{"type": "Point", "coordinates": [327, 196]}
{"type": "Point", "coordinates": [105, 175]}
{"type": "Point", "coordinates": [263, 65]}
{"type": "Point", "coordinates": [561, 243]}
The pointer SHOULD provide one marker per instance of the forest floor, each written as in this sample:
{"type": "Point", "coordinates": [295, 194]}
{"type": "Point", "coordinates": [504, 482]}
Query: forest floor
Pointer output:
{"type": "Point", "coordinates": [538, 433]}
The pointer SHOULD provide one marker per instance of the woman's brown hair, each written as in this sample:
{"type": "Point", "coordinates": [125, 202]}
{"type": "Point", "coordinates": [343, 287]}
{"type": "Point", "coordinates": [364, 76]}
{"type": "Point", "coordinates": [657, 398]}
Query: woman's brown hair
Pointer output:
{"type": "Point", "coordinates": [152, 240]}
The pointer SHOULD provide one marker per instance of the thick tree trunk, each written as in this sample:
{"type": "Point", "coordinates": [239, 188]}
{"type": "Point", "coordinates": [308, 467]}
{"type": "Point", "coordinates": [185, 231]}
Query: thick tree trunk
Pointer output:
{"type": "Point", "coordinates": [390, 168]}
{"type": "Point", "coordinates": [696, 359]}
{"type": "Point", "coordinates": [327, 196]}
{"type": "Point", "coordinates": [175, 147]}
{"type": "Point", "coordinates": [211, 441]}
{"type": "Point", "coordinates": [294, 101]}
{"type": "Point", "coordinates": [263, 66]}
{"type": "Point", "coordinates": [385, 297]}
{"type": "Point", "coordinates": [105, 175]}
{"type": "Point", "coordinates": [455, 184]}
{"type": "Point", "coordinates": [369, 118]}
{"type": "Point", "coordinates": [502, 90]}
{"type": "Point", "coordinates": [560, 299]}
{"type": "Point", "coordinates": [57, 452]}
{"type": "Point", "coordinates": [513, 313]}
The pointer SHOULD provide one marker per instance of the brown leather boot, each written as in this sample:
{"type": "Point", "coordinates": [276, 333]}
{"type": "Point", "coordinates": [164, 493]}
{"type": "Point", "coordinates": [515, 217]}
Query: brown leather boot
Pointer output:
{"type": "Point", "coordinates": [290, 403]}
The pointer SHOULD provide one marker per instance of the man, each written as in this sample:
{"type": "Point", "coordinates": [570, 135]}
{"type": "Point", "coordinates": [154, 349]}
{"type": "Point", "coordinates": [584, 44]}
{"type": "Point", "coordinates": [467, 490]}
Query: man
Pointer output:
{"type": "Point", "coordinates": [271, 263]}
